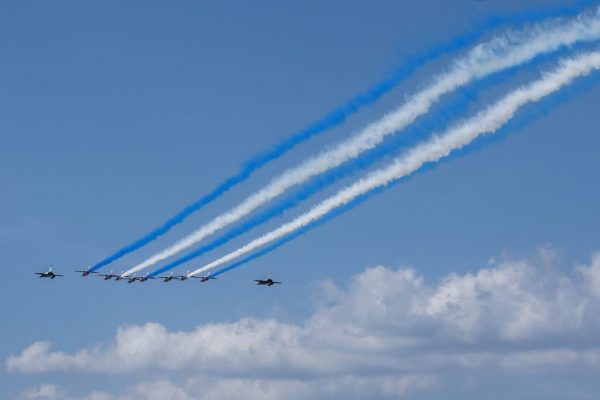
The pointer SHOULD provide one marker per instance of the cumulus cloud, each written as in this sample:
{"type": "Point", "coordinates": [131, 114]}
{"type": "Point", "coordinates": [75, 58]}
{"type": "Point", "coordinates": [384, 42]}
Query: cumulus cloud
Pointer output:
{"type": "Point", "coordinates": [344, 387]}
{"type": "Point", "coordinates": [206, 388]}
{"type": "Point", "coordinates": [43, 392]}
{"type": "Point", "coordinates": [50, 391]}
{"type": "Point", "coordinates": [592, 276]}
{"type": "Point", "coordinates": [158, 390]}
{"type": "Point", "coordinates": [389, 333]}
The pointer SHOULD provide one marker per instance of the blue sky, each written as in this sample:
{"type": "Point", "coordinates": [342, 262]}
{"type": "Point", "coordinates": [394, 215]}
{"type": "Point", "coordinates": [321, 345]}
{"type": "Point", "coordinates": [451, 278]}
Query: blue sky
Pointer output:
{"type": "Point", "coordinates": [117, 115]}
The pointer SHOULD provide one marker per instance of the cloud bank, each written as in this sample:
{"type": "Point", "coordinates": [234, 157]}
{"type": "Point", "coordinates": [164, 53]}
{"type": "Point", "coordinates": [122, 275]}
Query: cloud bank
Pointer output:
{"type": "Point", "coordinates": [387, 334]}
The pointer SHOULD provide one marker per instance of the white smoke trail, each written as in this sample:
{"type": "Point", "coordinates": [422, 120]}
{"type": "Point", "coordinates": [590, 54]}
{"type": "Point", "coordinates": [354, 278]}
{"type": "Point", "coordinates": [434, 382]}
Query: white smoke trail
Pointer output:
{"type": "Point", "coordinates": [485, 122]}
{"type": "Point", "coordinates": [508, 50]}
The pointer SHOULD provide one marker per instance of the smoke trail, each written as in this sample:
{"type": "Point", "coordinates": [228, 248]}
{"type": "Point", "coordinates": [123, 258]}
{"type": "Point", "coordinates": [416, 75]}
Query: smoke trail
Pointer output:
{"type": "Point", "coordinates": [325, 180]}
{"type": "Point", "coordinates": [505, 51]}
{"type": "Point", "coordinates": [334, 118]}
{"type": "Point", "coordinates": [339, 115]}
{"type": "Point", "coordinates": [436, 122]}
{"type": "Point", "coordinates": [485, 122]}
{"type": "Point", "coordinates": [515, 123]}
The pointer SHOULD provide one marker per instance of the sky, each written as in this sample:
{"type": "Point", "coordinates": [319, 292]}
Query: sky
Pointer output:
{"type": "Point", "coordinates": [477, 277]}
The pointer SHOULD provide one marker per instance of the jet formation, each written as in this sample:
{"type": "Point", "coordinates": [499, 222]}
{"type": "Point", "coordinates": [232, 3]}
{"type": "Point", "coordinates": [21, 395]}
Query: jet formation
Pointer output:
{"type": "Point", "coordinates": [133, 278]}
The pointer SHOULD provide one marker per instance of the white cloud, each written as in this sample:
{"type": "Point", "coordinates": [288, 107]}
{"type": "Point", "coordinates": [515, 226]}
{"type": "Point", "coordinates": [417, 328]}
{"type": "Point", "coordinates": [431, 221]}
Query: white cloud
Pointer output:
{"type": "Point", "coordinates": [96, 395]}
{"type": "Point", "coordinates": [344, 387]}
{"type": "Point", "coordinates": [203, 388]}
{"type": "Point", "coordinates": [157, 391]}
{"type": "Point", "coordinates": [388, 333]}
{"type": "Point", "coordinates": [591, 275]}
{"type": "Point", "coordinates": [43, 392]}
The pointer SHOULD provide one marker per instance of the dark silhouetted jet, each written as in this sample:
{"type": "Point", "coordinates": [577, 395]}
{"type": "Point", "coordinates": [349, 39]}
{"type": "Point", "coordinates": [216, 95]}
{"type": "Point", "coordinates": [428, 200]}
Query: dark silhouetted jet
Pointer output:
{"type": "Point", "coordinates": [267, 282]}
{"type": "Point", "coordinates": [110, 275]}
{"type": "Point", "coordinates": [86, 272]}
{"type": "Point", "coordinates": [168, 278]}
{"type": "Point", "coordinates": [48, 274]}
{"type": "Point", "coordinates": [205, 278]}
{"type": "Point", "coordinates": [184, 277]}
{"type": "Point", "coordinates": [145, 278]}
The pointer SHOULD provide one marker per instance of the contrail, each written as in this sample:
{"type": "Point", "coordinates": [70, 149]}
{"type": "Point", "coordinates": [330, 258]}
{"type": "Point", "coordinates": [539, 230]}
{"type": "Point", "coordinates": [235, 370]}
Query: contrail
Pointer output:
{"type": "Point", "coordinates": [322, 182]}
{"type": "Point", "coordinates": [334, 118]}
{"type": "Point", "coordinates": [506, 51]}
{"type": "Point", "coordinates": [485, 122]}
{"type": "Point", "coordinates": [338, 116]}
{"type": "Point", "coordinates": [435, 122]}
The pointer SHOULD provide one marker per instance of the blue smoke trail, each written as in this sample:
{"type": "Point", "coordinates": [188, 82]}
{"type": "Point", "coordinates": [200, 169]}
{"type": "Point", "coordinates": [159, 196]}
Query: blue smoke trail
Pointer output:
{"type": "Point", "coordinates": [435, 122]}
{"type": "Point", "coordinates": [525, 118]}
{"type": "Point", "coordinates": [321, 182]}
{"type": "Point", "coordinates": [340, 114]}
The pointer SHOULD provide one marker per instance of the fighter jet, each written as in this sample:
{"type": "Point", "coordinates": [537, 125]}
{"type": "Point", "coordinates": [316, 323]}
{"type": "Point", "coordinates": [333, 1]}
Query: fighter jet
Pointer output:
{"type": "Point", "coordinates": [110, 275]}
{"type": "Point", "coordinates": [145, 278]}
{"type": "Point", "coordinates": [86, 272]}
{"type": "Point", "coordinates": [266, 282]}
{"type": "Point", "coordinates": [205, 278]}
{"type": "Point", "coordinates": [47, 274]}
{"type": "Point", "coordinates": [168, 278]}
{"type": "Point", "coordinates": [131, 279]}
{"type": "Point", "coordinates": [184, 277]}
